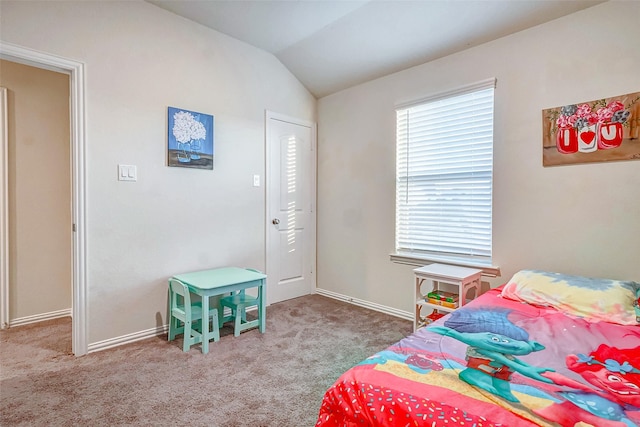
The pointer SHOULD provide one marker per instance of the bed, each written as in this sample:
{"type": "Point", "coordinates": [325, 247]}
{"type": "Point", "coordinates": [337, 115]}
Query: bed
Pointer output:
{"type": "Point", "coordinates": [545, 349]}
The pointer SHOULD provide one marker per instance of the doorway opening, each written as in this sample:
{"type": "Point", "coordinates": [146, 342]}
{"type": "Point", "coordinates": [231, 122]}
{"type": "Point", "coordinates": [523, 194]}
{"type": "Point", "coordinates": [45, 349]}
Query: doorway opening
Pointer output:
{"type": "Point", "coordinates": [75, 70]}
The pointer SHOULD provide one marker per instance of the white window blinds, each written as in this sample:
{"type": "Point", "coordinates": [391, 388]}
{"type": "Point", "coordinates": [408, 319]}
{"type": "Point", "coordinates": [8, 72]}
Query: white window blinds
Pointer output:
{"type": "Point", "coordinates": [444, 175]}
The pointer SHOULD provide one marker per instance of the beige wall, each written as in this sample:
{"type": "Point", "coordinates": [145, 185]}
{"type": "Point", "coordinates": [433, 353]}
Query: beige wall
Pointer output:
{"type": "Point", "coordinates": [581, 219]}
{"type": "Point", "coordinates": [40, 244]}
{"type": "Point", "coordinates": [139, 60]}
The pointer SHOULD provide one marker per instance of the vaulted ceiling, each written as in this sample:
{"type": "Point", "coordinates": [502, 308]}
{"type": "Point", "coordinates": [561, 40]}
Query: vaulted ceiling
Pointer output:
{"type": "Point", "coordinates": [331, 45]}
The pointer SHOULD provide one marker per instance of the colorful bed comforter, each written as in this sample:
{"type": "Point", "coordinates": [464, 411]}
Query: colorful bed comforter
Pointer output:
{"type": "Point", "coordinates": [496, 362]}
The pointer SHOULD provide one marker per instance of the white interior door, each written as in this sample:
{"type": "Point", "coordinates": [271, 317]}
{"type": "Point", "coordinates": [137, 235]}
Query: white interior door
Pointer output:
{"type": "Point", "coordinates": [291, 224]}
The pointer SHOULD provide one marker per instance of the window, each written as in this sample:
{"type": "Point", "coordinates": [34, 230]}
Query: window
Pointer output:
{"type": "Point", "coordinates": [444, 176]}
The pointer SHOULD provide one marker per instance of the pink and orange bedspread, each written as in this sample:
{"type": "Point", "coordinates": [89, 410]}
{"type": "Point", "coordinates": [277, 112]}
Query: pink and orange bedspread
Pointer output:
{"type": "Point", "coordinates": [496, 362]}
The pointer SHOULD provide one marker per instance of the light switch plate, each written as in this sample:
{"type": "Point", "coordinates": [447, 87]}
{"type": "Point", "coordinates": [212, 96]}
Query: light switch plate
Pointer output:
{"type": "Point", "coordinates": [127, 173]}
{"type": "Point", "coordinates": [256, 180]}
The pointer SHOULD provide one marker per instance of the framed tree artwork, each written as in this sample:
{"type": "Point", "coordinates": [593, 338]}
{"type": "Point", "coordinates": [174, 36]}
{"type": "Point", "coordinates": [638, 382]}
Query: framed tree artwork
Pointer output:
{"type": "Point", "coordinates": [190, 139]}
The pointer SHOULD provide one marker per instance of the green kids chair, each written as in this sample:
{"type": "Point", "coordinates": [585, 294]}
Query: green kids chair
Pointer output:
{"type": "Point", "coordinates": [186, 317]}
{"type": "Point", "coordinates": [238, 302]}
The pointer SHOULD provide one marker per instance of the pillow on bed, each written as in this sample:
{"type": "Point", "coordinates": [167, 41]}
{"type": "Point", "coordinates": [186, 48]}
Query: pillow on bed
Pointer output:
{"type": "Point", "coordinates": [592, 299]}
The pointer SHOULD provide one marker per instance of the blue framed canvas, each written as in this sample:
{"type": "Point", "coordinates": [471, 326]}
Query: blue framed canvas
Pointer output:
{"type": "Point", "coordinates": [190, 139]}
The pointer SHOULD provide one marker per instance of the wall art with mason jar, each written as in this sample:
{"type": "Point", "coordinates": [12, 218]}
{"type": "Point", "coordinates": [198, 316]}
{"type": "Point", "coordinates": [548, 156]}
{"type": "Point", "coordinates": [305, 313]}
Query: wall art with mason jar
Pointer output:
{"type": "Point", "coordinates": [594, 131]}
{"type": "Point", "coordinates": [190, 139]}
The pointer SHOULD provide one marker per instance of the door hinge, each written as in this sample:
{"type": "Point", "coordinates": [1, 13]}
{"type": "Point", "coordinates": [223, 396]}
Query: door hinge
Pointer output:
{"type": "Point", "coordinates": [73, 227]}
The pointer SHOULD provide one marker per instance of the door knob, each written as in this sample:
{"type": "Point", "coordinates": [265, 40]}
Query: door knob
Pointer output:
{"type": "Point", "coordinates": [275, 221]}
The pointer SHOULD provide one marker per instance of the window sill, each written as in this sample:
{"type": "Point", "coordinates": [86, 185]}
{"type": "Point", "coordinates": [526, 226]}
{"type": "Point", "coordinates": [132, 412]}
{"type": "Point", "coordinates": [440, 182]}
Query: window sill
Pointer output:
{"type": "Point", "coordinates": [420, 261]}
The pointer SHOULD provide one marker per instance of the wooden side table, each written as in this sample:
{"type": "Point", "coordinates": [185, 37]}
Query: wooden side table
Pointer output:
{"type": "Point", "coordinates": [452, 283]}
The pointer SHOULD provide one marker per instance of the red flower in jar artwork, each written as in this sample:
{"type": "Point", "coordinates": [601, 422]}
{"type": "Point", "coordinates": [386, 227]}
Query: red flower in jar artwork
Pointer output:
{"type": "Point", "coordinates": [590, 127]}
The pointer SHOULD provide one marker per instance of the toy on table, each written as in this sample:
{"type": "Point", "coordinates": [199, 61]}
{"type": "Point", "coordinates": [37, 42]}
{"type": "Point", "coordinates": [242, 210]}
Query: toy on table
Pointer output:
{"type": "Point", "coordinates": [445, 299]}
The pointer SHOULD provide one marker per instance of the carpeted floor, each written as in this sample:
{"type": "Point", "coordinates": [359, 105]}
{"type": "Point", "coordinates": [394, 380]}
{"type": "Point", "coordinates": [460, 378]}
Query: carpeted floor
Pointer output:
{"type": "Point", "coordinates": [272, 379]}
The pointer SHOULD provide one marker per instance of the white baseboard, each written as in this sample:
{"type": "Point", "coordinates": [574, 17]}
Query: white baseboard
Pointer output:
{"type": "Point", "coordinates": [366, 304]}
{"type": "Point", "coordinates": [129, 338]}
{"type": "Point", "coordinates": [164, 329]}
{"type": "Point", "coordinates": [137, 336]}
{"type": "Point", "coordinates": [40, 317]}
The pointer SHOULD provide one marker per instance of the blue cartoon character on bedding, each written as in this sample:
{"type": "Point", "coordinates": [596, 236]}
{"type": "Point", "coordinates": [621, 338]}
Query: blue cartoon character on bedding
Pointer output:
{"type": "Point", "coordinates": [419, 363]}
{"type": "Point", "coordinates": [494, 342]}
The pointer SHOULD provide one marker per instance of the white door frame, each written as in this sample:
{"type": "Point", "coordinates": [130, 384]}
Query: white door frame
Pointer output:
{"type": "Point", "coordinates": [312, 179]}
{"type": "Point", "coordinates": [76, 72]}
